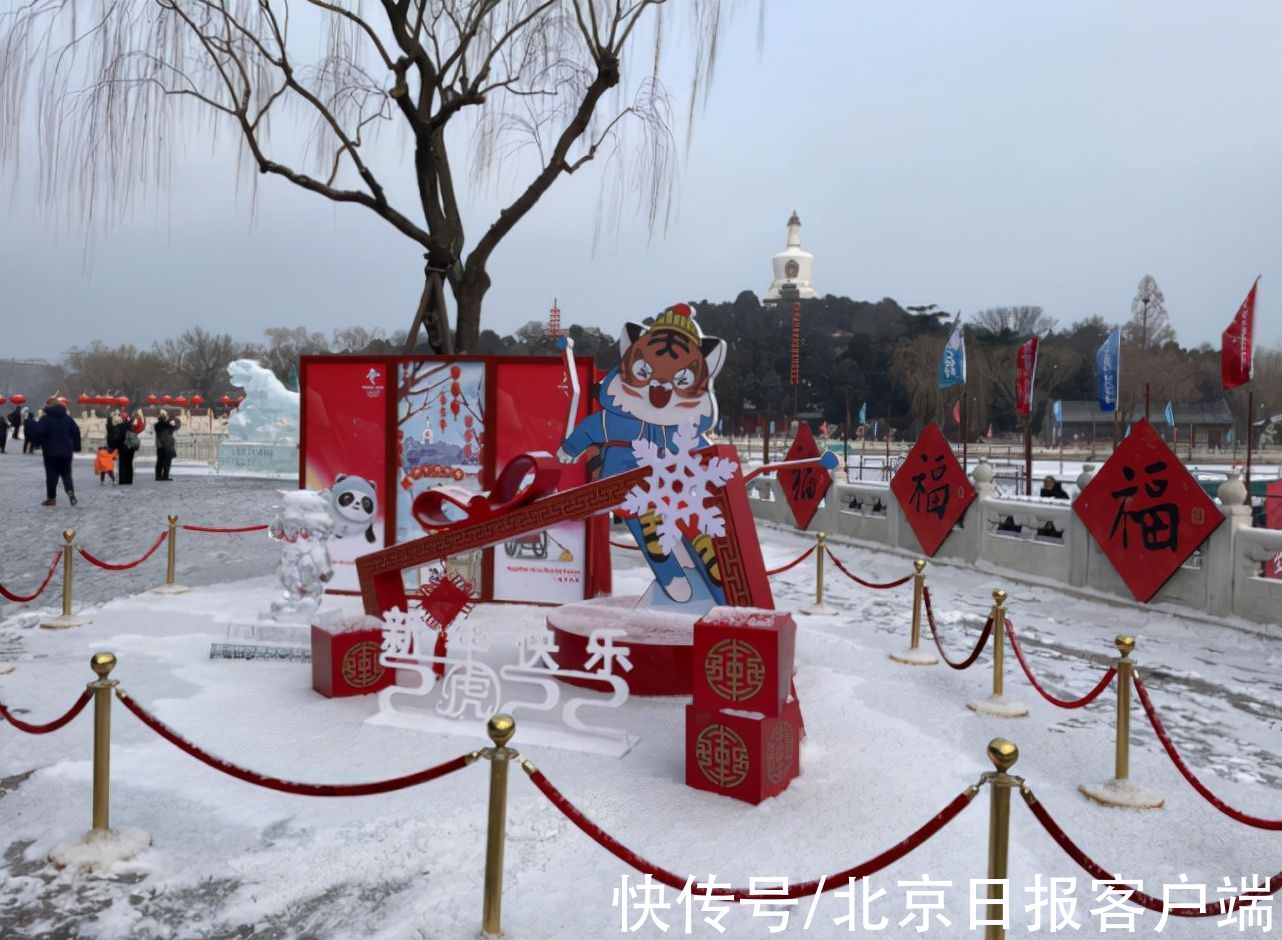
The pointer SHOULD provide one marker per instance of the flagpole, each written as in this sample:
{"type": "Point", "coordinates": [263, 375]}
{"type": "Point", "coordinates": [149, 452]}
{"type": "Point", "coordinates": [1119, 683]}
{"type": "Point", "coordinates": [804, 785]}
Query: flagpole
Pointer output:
{"type": "Point", "coordinates": [1250, 415]}
{"type": "Point", "coordinates": [962, 431]}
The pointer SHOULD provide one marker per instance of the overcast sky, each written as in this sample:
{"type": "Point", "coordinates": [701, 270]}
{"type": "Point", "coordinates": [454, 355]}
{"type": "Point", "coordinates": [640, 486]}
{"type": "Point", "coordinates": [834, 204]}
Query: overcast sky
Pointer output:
{"type": "Point", "coordinates": [959, 153]}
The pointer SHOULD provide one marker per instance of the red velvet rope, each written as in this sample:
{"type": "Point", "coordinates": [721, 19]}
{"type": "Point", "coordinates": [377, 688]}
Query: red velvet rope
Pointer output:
{"type": "Point", "coordinates": [771, 572]}
{"type": "Point", "coordinates": [54, 725]}
{"type": "Point", "coordinates": [979, 647]}
{"type": "Point", "coordinates": [286, 786]}
{"type": "Point", "coordinates": [1274, 825]}
{"type": "Point", "coordinates": [28, 598]}
{"type": "Point", "coordinates": [1146, 901]}
{"type": "Point", "coordinates": [129, 564]}
{"type": "Point", "coordinates": [868, 584]}
{"type": "Point", "coordinates": [625, 545]}
{"type": "Point", "coordinates": [804, 889]}
{"type": "Point", "coordinates": [206, 528]}
{"type": "Point", "coordinates": [1104, 682]}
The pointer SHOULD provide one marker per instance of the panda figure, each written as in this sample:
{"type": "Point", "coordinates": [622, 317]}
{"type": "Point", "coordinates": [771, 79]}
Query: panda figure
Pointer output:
{"type": "Point", "coordinates": [353, 504]}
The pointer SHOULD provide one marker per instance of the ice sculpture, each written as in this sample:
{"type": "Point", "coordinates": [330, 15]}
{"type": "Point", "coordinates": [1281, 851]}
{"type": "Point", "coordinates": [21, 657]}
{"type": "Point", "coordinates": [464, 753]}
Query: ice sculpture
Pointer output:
{"type": "Point", "coordinates": [262, 434]}
{"type": "Point", "coordinates": [302, 526]}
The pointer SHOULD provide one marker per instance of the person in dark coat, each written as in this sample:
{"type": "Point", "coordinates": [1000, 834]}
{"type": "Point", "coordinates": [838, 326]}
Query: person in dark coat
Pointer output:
{"type": "Point", "coordinates": [59, 438]}
{"type": "Point", "coordinates": [122, 437]}
{"type": "Point", "coordinates": [29, 423]}
{"type": "Point", "coordinates": [165, 427]}
{"type": "Point", "coordinates": [4, 434]}
{"type": "Point", "coordinates": [15, 421]}
{"type": "Point", "coordinates": [1052, 489]}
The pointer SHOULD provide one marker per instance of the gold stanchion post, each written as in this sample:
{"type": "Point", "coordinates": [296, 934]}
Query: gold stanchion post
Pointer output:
{"type": "Point", "coordinates": [66, 620]}
{"type": "Point", "coordinates": [1120, 791]}
{"type": "Point", "coordinates": [1003, 754]}
{"type": "Point", "coordinates": [915, 655]}
{"type": "Point", "coordinates": [819, 607]}
{"type": "Point", "coordinates": [102, 664]}
{"type": "Point", "coordinates": [500, 729]}
{"type": "Point", "coordinates": [171, 562]}
{"type": "Point", "coordinates": [997, 703]}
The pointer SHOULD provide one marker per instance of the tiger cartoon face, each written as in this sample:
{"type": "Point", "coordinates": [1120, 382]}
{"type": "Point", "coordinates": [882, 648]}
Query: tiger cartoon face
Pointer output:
{"type": "Point", "coordinates": [666, 372]}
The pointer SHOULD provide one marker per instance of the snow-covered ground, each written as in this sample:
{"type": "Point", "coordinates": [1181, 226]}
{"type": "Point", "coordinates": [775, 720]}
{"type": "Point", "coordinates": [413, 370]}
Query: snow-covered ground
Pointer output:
{"type": "Point", "coordinates": [887, 747]}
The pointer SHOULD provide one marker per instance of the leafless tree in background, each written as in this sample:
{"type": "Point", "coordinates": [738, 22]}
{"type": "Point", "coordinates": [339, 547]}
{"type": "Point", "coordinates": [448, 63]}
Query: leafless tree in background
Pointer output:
{"type": "Point", "coordinates": [538, 85]}
{"type": "Point", "coordinates": [197, 359]}
{"type": "Point", "coordinates": [1021, 321]}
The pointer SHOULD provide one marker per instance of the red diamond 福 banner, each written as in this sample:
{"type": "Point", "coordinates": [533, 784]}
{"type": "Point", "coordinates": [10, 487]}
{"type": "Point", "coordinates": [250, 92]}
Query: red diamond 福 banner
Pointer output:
{"type": "Point", "coordinates": [804, 487]}
{"type": "Point", "coordinates": [932, 489]}
{"type": "Point", "coordinates": [1146, 512]}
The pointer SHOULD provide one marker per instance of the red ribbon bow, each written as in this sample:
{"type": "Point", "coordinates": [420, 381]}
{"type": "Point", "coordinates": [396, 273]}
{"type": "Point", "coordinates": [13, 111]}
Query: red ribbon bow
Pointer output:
{"type": "Point", "coordinates": [510, 491]}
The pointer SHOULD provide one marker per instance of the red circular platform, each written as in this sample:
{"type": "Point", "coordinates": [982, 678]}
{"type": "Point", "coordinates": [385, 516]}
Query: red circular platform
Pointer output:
{"type": "Point", "coordinates": [660, 643]}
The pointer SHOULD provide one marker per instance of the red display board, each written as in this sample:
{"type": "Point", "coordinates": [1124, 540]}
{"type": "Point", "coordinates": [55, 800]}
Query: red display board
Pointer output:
{"type": "Point", "coordinates": [1273, 505]}
{"type": "Point", "coordinates": [1145, 511]}
{"type": "Point", "coordinates": [411, 423]}
{"type": "Point", "coordinates": [932, 489]}
{"type": "Point", "coordinates": [804, 487]}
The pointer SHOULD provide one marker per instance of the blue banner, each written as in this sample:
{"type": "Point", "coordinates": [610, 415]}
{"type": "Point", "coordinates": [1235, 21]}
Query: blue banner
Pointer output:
{"type": "Point", "coordinates": [952, 365]}
{"type": "Point", "coordinates": [863, 412]}
{"type": "Point", "coordinates": [1228, 438]}
{"type": "Point", "coordinates": [1170, 415]}
{"type": "Point", "coordinates": [1107, 366]}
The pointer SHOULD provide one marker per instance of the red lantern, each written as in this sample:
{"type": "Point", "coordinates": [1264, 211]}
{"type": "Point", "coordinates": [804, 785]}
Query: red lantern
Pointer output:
{"type": "Point", "coordinates": [454, 408]}
{"type": "Point", "coordinates": [454, 389]}
{"type": "Point", "coordinates": [442, 424]}
{"type": "Point", "coordinates": [62, 399]}
{"type": "Point", "coordinates": [181, 401]}
{"type": "Point", "coordinates": [226, 401]}
{"type": "Point", "coordinates": [442, 398]}
{"type": "Point", "coordinates": [455, 372]}
{"type": "Point", "coordinates": [151, 399]}
{"type": "Point", "coordinates": [467, 435]}
{"type": "Point", "coordinates": [19, 399]}
{"type": "Point", "coordinates": [467, 421]}
{"type": "Point", "coordinates": [166, 399]}
{"type": "Point", "coordinates": [82, 399]}
{"type": "Point", "coordinates": [197, 400]}
{"type": "Point", "coordinates": [1, 399]}
{"type": "Point", "coordinates": [123, 401]}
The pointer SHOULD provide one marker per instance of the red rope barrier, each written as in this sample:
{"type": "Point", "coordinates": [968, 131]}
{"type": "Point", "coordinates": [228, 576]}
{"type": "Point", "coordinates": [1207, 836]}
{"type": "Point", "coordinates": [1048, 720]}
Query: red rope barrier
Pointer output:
{"type": "Point", "coordinates": [771, 572]}
{"type": "Point", "coordinates": [1274, 825]}
{"type": "Point", "coordinates": [1146, 901]}
{"type": "Point", "coordinates": [54, 725]}
{"type": "Point", "coordinates": [286, 786]}
{"type": "Point", "coordinates": [625, 545]}
{"type": "Point", "coordinates": [868, 584]}
{"type": "Point", "coordinates": [979, 647]}
{"type": "Point", "coordinates": [127, 565]}
{"type": "Point", "coordinates": [28, 598]}
{"type": "Point", "coordinates": [804, 889]}
{"type": "Point", "coordinates": [1086, 699]}
{"type": "Point", "coordinates": [206, 528]}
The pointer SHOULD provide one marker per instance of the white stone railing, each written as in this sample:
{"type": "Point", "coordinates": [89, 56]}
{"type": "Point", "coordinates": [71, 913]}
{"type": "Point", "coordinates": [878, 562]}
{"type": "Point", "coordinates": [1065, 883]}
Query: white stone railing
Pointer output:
{"type": "Point", "coordinates": [1043, 539]}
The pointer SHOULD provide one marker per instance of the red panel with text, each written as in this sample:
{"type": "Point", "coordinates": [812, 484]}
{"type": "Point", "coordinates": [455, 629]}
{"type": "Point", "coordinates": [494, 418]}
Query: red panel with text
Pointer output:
{"type": "Point", "coordinates": [932, 489]}
{"type": "Point", "coordinates": [804, 487]}
{"type": "Point", "coordinates": [1146, 512]}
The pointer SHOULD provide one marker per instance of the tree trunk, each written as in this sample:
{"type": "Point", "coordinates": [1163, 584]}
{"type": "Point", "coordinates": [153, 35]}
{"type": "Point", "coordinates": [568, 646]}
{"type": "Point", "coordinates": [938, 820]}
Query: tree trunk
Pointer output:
{"type": "Point", "coordinates": [468, 296]}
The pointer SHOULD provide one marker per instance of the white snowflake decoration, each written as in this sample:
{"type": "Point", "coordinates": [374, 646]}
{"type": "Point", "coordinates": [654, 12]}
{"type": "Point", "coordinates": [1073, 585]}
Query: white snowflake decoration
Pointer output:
{"type": "Point", "coordinates": [679, 488]}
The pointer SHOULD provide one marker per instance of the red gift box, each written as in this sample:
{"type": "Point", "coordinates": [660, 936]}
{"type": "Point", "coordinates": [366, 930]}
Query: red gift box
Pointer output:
{"type": "Point", "coordinates": [743, 659]}
{"type": "Point", "coordinates": [345, 657]}
{"type": "Point", "coordinates": [746, 755]}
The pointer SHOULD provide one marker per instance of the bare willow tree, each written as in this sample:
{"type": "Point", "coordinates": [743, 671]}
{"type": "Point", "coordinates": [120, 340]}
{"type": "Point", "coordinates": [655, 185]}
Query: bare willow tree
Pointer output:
{"type": "Point", "coordinates": [538, 88]}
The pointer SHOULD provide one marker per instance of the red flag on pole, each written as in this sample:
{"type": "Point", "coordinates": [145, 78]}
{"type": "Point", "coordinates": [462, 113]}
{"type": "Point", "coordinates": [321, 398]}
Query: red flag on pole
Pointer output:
{"type": "Point", "coordinates": [1026, 371]}
{"type": "Point", "coordinates": [957, 412]}
{"type": "Point", "coordinates": [1236, 350]}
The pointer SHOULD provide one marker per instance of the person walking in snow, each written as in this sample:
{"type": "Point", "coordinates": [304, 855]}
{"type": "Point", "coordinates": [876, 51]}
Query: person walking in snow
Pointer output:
{"type": "Point", "coordinates": [29, 423]}
{"type": "Point", "coordinates": [165, 449]}
{"type": "Point", "coordinates": [59, 438]}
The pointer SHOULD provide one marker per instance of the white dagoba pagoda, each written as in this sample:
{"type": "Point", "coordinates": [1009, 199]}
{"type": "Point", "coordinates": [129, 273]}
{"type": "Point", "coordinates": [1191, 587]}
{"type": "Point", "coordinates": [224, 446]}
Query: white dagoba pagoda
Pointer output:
{"type": "Point", "coordinates": [792, 269]}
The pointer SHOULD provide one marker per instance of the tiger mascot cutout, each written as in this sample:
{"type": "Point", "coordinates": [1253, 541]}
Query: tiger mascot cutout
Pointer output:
{"type": "Point", "coordinates": [663, 381]}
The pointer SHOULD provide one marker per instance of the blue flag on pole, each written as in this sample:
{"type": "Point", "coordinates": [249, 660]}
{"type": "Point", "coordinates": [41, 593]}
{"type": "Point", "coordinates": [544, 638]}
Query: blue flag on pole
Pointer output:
{"type": "Point", "coordinates": [1057, 412]}
{"type": "Point", "coordinates": [952, 365]}
{"type": "Point", "coordinates": [863, 412]}
{"type": "Point", "coordinates": [1108, 363]}
{"type": "Point", "coordinates": [1170, 415]}
{"type": "Point", "coordinates": [1228, 438]}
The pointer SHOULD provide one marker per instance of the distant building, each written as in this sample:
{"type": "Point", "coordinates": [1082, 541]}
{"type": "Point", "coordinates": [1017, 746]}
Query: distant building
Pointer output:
{"type": "Point", "coordinates": [792, 268]}
{"type": "Point", "coordinates": [1208, 422]}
